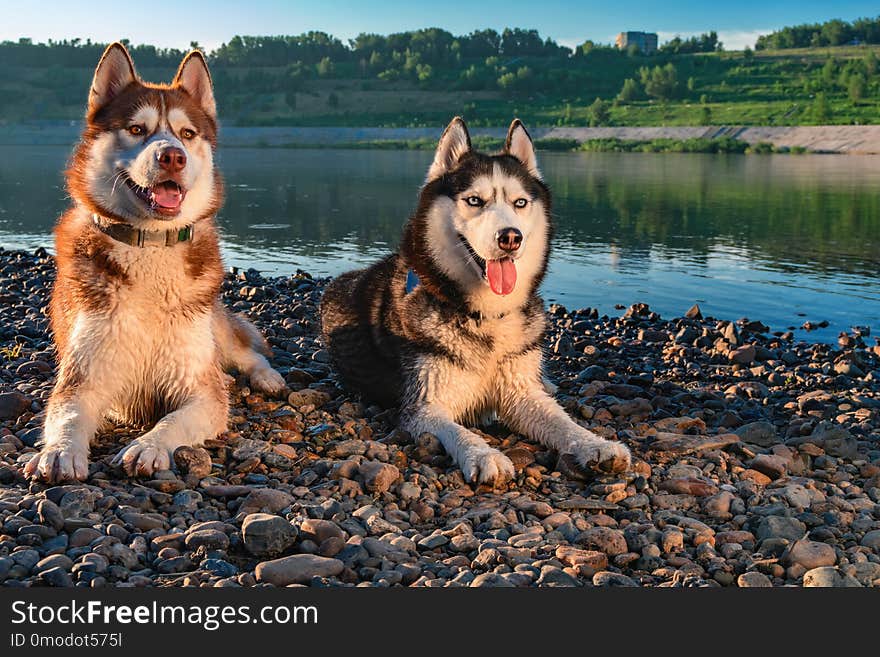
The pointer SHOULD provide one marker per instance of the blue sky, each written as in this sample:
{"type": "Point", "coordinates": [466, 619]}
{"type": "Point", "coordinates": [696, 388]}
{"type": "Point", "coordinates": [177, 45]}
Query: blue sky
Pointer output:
{"type": "Point", "coordinates": [175, 23]}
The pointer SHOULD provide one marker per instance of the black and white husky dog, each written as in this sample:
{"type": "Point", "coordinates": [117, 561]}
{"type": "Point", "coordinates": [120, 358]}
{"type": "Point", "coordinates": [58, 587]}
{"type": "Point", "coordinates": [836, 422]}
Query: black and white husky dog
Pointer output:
{"type": "Point", "coordinates": [450, 327]}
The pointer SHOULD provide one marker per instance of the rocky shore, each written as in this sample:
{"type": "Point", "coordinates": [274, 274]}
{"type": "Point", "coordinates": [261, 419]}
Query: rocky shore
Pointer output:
{"type": "Point", "coordinates": [757, 463]}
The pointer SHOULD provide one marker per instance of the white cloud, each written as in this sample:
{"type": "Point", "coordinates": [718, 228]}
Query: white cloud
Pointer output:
{"type": "Point", "coordinates": [732, 39]}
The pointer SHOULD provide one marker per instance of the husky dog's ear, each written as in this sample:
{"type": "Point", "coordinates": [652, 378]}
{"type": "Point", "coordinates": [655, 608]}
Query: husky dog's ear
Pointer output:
{"type": "Point", "coordinates": [194, 78]}
{"type": "Point", "coordinates": [114, 73]}
{"type": "Point", "coordinates": [454, 143]}
{"type": "Point", "coordinates": [519, 144]}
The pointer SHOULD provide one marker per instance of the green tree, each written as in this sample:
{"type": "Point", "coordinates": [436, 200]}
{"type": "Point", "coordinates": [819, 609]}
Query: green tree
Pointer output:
{"type": "Point", "coordinates": [821, 109]}
{"type": "Point", "coordinates": [333, 100]}
{"type": "Point", "coordinates": [599, 113]}
{"type": "Point", "coordinates": [706, 115]}
{"type": "Point", "coordinates": [870, 63]}
{"type": "Point", "coordinates": [660, 82]}
{"type": "Point", "coordinates": [630, 91]}
{"type": "Point", "coordinates": [691, 84]}
{"type": "Point", "coordinates": [857, 87]}
{"type": "Point", "coordinates": [290, 98]}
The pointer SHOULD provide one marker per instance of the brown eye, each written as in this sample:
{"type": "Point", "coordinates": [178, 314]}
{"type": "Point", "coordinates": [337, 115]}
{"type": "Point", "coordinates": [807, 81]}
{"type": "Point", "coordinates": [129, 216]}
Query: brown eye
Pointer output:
{"type": "Point", "coordinates": [474, 201]}
{"type": "Point", "coordinates": [520, 203]}
{"type": "Point", "coordinates": [136, 130]}
{"type": "Point", "coordinates": [187, 133]}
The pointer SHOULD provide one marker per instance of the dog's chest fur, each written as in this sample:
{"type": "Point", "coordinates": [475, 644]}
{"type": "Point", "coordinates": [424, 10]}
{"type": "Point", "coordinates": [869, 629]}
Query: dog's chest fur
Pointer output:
{"type": "Point", "coordinates": [137, 319]}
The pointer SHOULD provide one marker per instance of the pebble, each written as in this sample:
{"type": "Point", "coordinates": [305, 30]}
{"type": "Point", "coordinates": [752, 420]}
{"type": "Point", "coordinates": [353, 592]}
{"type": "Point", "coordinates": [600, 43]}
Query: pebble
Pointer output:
{"type": "Point", "coordinates": [193, 461]}
{"type": "Point", "coordinates": [267, 535]}
{"type": "Point", "coordinates": [297, 569]}
{"type": "Point", "coordinates": [827, 576]}
{"type": "Point", "coordinates": [744, 473]}
{"type": "Point", "coordinates": [753, 580]}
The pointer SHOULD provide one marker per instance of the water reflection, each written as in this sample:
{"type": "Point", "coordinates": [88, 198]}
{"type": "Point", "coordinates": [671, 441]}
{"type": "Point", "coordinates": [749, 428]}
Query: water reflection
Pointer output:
{"type": "Point", "coordinates": [776, 238]}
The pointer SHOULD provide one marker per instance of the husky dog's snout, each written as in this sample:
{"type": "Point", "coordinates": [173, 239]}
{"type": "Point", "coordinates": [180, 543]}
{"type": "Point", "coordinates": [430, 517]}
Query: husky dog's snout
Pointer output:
{"type": "Point", "coordinates": [509, 239]}
{"type": "Point", "coordinates": [171, 159]}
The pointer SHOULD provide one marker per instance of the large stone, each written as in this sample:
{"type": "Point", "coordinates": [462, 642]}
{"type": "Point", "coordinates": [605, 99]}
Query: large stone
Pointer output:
{"type": "Point", "coordinates": [13, 404]}
{"type": "Point", "coordinates": [761, 433]}
{"type": "Point", "coordinates": [791, 529]}
{"type": "Point", "coordinates": [753, 580]}
{"type": "Point", "coordinates": [827, 577]}
{"type": "Point", "coordinates": [610, 541]}
{"type": "Point", "coordinates": [193, 460]}
{"type": "Point", "coordinates": [491, 580]}
{"type": "Point", "coordinates": [809, 554]}
{"type": "Point", "coordinates": [320, 530]}
{"type": "Point", "coordinates": [573, 556]}
{"type": "Point", "coordinates": [378, 476]}
{"type": "Point", "coordinates": [297, 569]}
{"type": "Point", "coordinates": [266, 535]}
{"type": "Point", "coordinates": [872, 540]}
{"type": "Point", "coordinates": [266, 500]}
{"type": "Point", "coordinates": [835, 440]}
{"type": "Point", "coordinates": [684, 444]}
{"type": "Point", "coordinates": [210, 539]}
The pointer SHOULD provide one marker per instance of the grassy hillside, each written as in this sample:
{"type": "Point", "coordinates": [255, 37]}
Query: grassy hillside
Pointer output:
{"type": "Point", "coordinates": [548, 85]}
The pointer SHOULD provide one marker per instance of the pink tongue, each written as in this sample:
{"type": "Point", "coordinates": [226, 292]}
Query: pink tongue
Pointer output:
{"type": "Point", "coordinates": [502, 275]}
{"type": "Point", "coordinates": [167, 196]}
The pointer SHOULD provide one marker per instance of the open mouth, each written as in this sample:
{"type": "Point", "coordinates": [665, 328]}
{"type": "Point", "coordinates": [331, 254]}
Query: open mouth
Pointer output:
{"type": "Point", "coordinates": [163, 198]}
{"type": "Point", "coordinates": [500, 274]}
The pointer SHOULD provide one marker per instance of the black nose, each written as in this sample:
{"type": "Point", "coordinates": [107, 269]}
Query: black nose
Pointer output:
{"type": "Point", "coordinates": [172, 159]}
{"type": "Point", "coordinates": [509, 239]}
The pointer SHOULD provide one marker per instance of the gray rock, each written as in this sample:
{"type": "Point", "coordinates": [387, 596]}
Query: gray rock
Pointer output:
{"type": "Point", "coordinates": [753, 580]}
{"type": "Point", "coordinates": [55, 561]}
{"type": "Point", "coordinates": [761, 433]}
{"type": "Point", "coordinates": [790, 529]}
{"type": "Point", "coordinates": [556, 577]}
{"type": "Point", "coordinates": [297, 569]}
{"type": "Point", "coordinates": [828, 576]}
{"type": "Point", "coordinates": [872, 540]}
{"type": "Point", "coordinates": [49, 514]}
{"type": "Point", "coordinates": [491, 580]}
{"type": "Point", "coordinates": [809, 554]}
{"type": "Point", "coordinates": [57, 577]}
{"type": "Point", "coordinates": [607, 579]}
{"type": "Point", "coordinates": [210, 539]}
{"type": "Point", "coordinates": [267, 535]}
{"type": "Point", "coordinates": [835, 440]}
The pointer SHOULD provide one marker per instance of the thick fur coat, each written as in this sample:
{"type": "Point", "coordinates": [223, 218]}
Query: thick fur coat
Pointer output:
{"type": "Point", "coordinates": [450, 327]}
{"type": "Point", "coordinates": [140, 334]}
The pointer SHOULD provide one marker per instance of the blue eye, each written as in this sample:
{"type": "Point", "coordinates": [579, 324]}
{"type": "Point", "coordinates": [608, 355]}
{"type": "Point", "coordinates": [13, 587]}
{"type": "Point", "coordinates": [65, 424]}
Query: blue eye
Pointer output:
{"type": "Point", "coordinates": [475, 201]}
{"type": "Point", "coordinates": [520, 203]}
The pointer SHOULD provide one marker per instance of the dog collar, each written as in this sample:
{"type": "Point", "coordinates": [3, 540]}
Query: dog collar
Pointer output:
{"type": "Point", "coordinates": [138, 237]}
{"type": "Point", "coordinates": [413, 281]}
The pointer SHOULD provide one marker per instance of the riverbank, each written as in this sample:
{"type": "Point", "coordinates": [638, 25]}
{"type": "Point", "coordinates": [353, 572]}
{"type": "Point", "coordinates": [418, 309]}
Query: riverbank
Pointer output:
{"type": "Point", "coordinates": [757, 463]}
{"type": "Point", "coordinates": [857, 140]}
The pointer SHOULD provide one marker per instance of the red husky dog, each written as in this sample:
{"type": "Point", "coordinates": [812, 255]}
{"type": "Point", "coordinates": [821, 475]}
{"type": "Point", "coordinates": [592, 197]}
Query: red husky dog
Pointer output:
{"type": "Point", "coordinates": [139, 329]}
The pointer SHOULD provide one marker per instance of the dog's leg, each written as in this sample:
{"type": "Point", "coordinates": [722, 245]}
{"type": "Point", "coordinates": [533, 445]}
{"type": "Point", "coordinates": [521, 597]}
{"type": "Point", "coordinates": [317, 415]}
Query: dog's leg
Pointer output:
{"type": "Point", "coordinates": [528, 409]}
{"type": "Point", "coordinates": [437, 394]}
{"type": "Point", "coordinates": [200, 418]}
{"type": "Point", "coordinates": [240, 345]}
{"type": "Point", "coordinates": [478, 462]}
{"type": "Point", "coordinates": [73, 415]}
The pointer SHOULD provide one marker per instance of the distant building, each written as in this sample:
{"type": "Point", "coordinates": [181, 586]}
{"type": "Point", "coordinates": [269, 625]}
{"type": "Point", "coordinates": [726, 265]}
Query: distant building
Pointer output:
{"type": "Point", "coordinates": [646, 42]}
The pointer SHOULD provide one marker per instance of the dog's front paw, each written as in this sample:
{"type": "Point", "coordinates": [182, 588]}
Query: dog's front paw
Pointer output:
{"type": "Point", "coordinates": [57, 463]}
{"type": "Point", "coordinates": [266, 380]}
{"type": "Point", "coordinates": [486, 466]}
{"type": "Point", "coordinates": [143, 458]}
{"type": "Point", "coordinates": [600, 454]}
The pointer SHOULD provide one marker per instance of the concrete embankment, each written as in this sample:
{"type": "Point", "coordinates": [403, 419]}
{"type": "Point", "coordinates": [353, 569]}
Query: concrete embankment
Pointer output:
{"type": "Point", "coordinates": [853, 139]}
